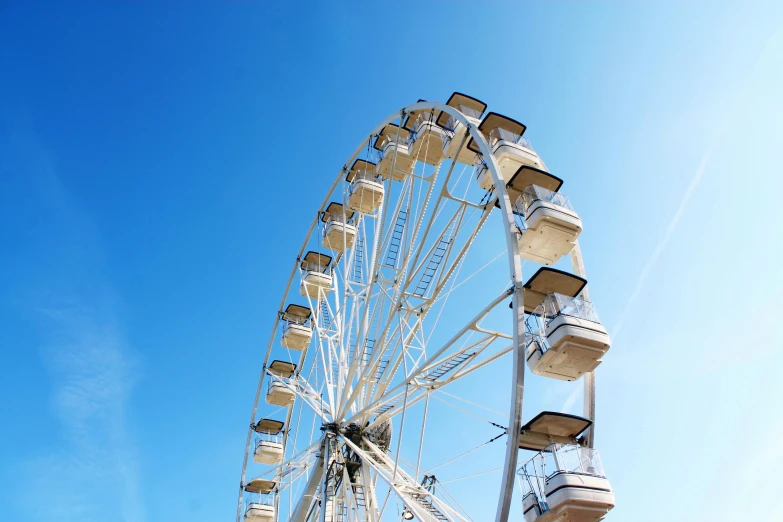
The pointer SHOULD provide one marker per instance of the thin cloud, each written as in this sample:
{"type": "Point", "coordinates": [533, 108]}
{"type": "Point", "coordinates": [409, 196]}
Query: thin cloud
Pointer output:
{"type": "Point", "coordinates": [696, 179]}
{"type": "Point", "coordinates": [90, 465]}
{"type": "Point", "coordinates": [663, 243]}
{"type": "Point", "coordinates": [571, 400]}
{"type": "Point", "coordinates": [92, 374]}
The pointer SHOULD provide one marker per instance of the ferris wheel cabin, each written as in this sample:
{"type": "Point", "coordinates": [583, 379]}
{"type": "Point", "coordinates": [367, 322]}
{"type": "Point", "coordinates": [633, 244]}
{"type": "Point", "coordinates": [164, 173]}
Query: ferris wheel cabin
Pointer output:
{"type": "Point", "coordinates": [564, 481]}
{"type": "Point", "coordinates": [548, 224]}
{"type": "Point", "coordinates": [392, 147]}
{"type": "Point", "coordinates": [268, 447]}
{"type": "Point", "coordinates": [510, 149]}
{"type": "Point", "coordinates": [426, 141]}
{"type": "Point", "coordinates": [551, 427]}
{"type": "Point", "coordinates": [366, 187]}
{"type": "Point", "coordinates": [564, 338]}
{"type": "Point", "coordinates": [316, 275]}
{"type": "Point", "coordinates": [279, 393]}
{"type": "Point", "coordinates": [339, 231]}
{"type": "Point", "coordinates": [454, 136]}
{"type": "Point", "coordinates": [260, 503]}
{"type": "Point", "coordinates": [297, 329]}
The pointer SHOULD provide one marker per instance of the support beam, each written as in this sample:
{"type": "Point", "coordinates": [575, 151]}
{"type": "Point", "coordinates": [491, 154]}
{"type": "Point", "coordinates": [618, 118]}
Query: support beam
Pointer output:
{"type": "Point", "coordinates": [413, 495]}
{"type": "Point", "coordinates": [588, 380]}
{"type": "Point", "coordinates": [308, 495]}
{"type": "Point", "coordinates": [470, 325]}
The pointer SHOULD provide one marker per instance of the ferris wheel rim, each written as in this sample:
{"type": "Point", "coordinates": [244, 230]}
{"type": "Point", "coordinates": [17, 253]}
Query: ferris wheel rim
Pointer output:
{"type": "Point", "coordinates": [516, 291]}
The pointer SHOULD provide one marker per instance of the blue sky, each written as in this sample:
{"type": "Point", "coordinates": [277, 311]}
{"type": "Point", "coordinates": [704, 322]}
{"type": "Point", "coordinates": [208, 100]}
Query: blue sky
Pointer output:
{"type": "Point", "coordinates": [146, 147]}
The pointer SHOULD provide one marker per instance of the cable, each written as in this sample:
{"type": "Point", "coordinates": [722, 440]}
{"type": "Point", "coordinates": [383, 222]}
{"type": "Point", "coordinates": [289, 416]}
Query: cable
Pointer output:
{"type": "Point", "coordinates": [469, 476]}
{"type": "Point", "coordinates": [469, 413]}
{"type": "Point", "coordinates": [472, 403]}
{"type": "Point", "coordinates": [429, 471]}
{"type": "Point", "coordinates": [472, 275]}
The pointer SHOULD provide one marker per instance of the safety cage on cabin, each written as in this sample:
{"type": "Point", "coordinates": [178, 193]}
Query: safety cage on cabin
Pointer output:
{"type": "Point", "coordinates": [316, 275]}
{"type": "Point", "coordinates": [394, 311]}
{"type": "Point", "coordinates": [260, 501]}
{"type": "Point", "coordinates": [564, 339]}
{"type": "Point", "coordinates": [280, 390]}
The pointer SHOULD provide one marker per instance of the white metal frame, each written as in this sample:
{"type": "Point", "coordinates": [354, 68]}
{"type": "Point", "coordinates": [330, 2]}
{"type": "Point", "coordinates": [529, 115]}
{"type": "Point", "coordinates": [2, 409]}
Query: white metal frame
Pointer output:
{"type": "Point", "coordinates": [412, 391]}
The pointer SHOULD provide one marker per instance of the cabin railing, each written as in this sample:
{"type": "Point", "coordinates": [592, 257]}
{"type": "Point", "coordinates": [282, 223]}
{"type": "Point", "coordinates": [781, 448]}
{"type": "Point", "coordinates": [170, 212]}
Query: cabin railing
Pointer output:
{"type": "Point", "coordinates": [497, 134]}
{"type": "Point", "coordinates": [392, 141]}
{"type": "Point", "coordinates": [268, 437]}
{"type": "Point", "coordinates": [452, 122]}
{"type": "Point", "coordinates": [556, 459]}
{"type": "Point", "coordinates": [365, 175]}
{"type": "Point", "coordinates": [572, 458]}
{"type": "Point", "coordinates": [264, 499]}
{"type": "Point", "coordinates": [309, 266]}
{"type": "Point", "coordinates": [559, 304]}
{"type": "Point", "coordinates": [296, 319]}
{"type": "Point", "coordinates": [277, 379]}
{"type": "Point", "coordinates": [534, 193]}
{"type": "Point", "coordinates": [336, 219]}
{"type": "Point", "coordinates": [424, 118]}
{"type": "Point", "coordinates": [555, 305]}
{"type": "Point", "coordinates": [469, 112]}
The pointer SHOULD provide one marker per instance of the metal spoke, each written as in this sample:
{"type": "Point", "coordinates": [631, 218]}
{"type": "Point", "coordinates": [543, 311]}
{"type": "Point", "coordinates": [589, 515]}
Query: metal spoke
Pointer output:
{"type": "Point", "coordinates": [424, 505]}
{"type": "Point", "coordinates": [385, 337]}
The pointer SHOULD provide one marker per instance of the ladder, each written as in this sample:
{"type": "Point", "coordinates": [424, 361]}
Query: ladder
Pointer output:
{"type": "Point", "coordinates": [369, 345]}
{"type": "Point", "coordinates": [358, 492]}
{"type": "Point", "coordinates": [342, 511]}
{"type": "Point", "coordinates": [396, 239]}
{"type": "Point", "coordinates": [389, 405]}
{"type": "Point", "coordinates": [327, 503]}
{"type": "Point", "coordinates": [437, 256]}
{"type": "Point", "coordinates": [449, 364]}
{"type": "Point", "coordinates": [336, 374]}
{"type": "Point", "coordinates": [367, 354]}
{"type": "Point", "coordinates": [426, 503]}
{"type": "Point", "coordinates": [326, 318]}
{"type": "Point", "coordinates": [358, 260]}
{"type": "Point", "coordinates": [354, 480]}
{"type": "Point", "coordinates": [386, 357]}
{"type": "Point", "coordinates": [384, 362]}
{"type": "Point", "coordinates": [414, 490]}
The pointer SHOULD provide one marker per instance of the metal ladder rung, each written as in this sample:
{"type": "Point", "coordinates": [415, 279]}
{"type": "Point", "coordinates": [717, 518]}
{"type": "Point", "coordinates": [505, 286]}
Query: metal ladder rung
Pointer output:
{"type": "Point", "coordinates": [386, 407]}
{"type": "Point", "coordinates": [368, 347]}
{"type": "Point", "coordinates": [434, 262]}
{"type": "Point", "coordinates": [358, 260]}
{"type": "Point", "coordinates": [326, 319]}
{"type": "Point", "coordinates": [396, 239]}
{"type": "Point", "coordinates": [420, 498]}
{"type": "Point", "coordinates": [383, 364]}
{"type": "Point", "coordinates": [429, 506]}
{"type": "Point", "coordinates": [448, 365]}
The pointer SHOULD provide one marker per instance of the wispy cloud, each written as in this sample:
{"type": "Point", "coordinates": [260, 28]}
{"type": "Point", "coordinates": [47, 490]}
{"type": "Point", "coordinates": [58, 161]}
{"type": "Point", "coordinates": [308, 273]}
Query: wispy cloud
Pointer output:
{"type": "Point", "coordinates": [663, 243]}
{"type": "Point", "coordinates": [90, 464]}
{"type": "Point", "coordinates": [728, 116]}
{"type": "Point", "coordinates": [92, 373]}
{"type": "Point", "coordinates": [570, 401]}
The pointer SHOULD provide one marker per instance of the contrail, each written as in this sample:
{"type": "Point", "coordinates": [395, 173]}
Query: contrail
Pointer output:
{"type": "Point", "coordinates": [663, 243]}
{"type": "Point", "coordinates": [571, 400]}
{"type": "Point", "coordinates": [92, 369]}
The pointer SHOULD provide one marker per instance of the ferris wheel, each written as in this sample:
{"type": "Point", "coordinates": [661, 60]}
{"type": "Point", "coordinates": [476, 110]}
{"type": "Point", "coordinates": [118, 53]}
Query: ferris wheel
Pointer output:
{"type": "Point", "coordinates": [392, 384]}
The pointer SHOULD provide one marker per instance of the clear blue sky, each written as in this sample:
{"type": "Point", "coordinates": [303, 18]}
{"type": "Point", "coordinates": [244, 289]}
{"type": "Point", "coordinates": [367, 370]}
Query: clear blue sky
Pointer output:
{"type": "Point", "coordinates": [146, 148]}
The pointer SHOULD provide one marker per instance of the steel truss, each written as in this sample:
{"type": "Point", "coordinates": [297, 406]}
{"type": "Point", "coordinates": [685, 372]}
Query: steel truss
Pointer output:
{"type": "Point", "coordinates": [371, 360]}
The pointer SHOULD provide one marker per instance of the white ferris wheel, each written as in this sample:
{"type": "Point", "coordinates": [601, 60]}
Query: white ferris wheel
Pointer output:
{"type": "Point", "coordinates": [392, 385]}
